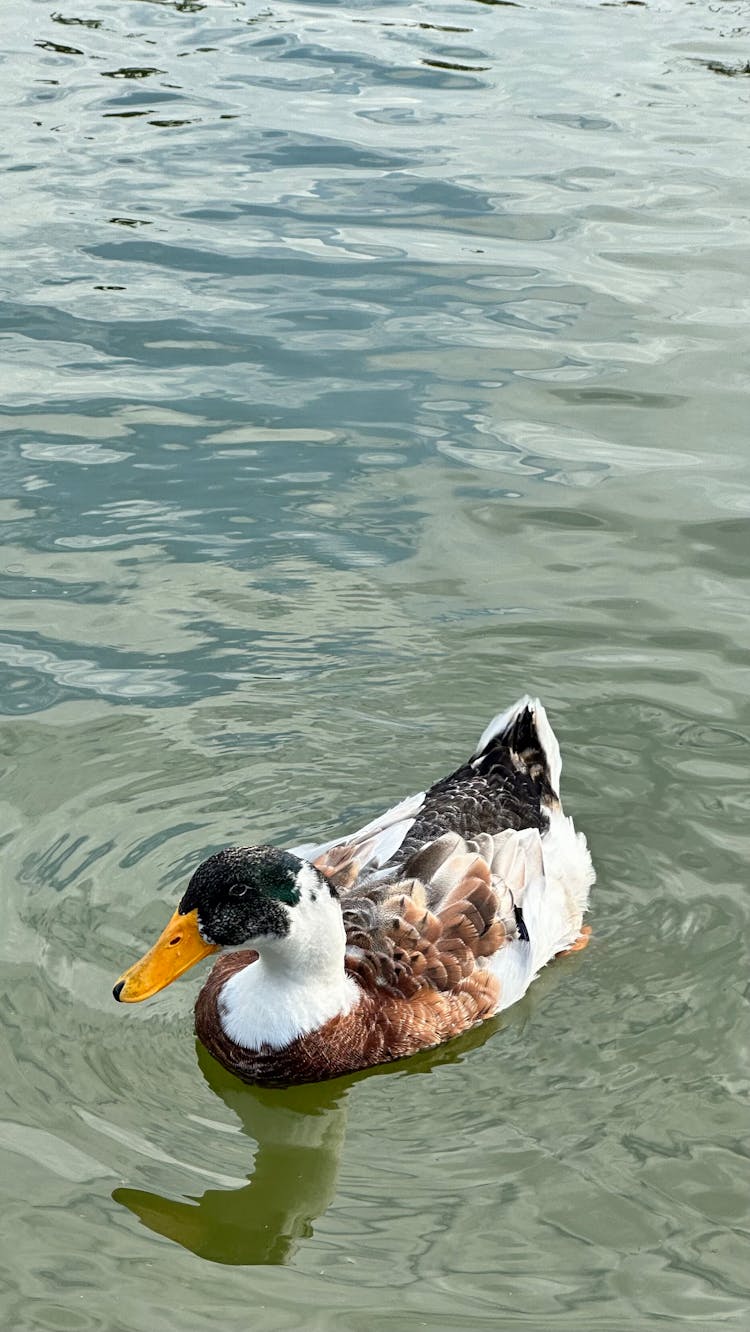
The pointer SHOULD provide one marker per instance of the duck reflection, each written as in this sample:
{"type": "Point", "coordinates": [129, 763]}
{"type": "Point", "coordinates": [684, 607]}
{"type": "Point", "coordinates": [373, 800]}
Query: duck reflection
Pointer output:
{"type": "Point", "coordinates": [300, 1134]}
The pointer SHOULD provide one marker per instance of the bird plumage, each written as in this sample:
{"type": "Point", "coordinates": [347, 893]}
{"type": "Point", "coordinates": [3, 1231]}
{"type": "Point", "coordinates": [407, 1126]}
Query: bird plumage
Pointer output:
{"type": "Point", "coordinates": [429, 919]}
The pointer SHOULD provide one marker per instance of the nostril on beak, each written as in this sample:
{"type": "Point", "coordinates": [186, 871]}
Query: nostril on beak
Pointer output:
{"type": "Point", "coordinates": [120, 986]}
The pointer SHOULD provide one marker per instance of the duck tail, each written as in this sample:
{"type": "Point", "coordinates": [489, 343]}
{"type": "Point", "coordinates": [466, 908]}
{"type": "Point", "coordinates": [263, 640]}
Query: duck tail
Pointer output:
{"type": "Point", "coordinates": [553, 868]}
{"type": "Point", "coordinates": [525, 730]}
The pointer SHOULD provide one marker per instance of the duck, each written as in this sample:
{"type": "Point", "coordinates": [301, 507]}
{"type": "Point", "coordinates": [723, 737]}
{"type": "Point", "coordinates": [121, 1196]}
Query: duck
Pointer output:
{"type": "Point", "coordinates": [430, 919]}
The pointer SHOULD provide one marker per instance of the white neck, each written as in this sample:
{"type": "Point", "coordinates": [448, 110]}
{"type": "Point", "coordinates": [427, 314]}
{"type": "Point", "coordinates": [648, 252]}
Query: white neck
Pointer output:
{"type": "Point", "coordinates": [298, 982]}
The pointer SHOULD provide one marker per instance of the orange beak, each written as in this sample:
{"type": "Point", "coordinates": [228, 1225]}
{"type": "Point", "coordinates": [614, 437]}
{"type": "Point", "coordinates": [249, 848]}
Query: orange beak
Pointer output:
{"type": "Point", "coordinates": [178, 948]}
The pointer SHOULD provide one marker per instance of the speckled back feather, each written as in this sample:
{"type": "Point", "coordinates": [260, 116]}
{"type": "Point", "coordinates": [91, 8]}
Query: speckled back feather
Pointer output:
{"type": "Point", "coordinates": [433, 927]}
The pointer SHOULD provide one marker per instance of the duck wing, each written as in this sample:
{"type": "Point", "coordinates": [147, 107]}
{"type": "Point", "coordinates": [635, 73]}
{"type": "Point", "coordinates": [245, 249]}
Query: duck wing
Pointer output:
{"type": "Point", "coordinates": [456, 908]}
{"type": "Point", "coordinates": [345, 859]}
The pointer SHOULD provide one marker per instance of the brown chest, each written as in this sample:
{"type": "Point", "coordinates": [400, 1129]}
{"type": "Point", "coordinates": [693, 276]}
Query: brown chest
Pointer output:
{"type": "Point", "coordinates": [380, 1028]}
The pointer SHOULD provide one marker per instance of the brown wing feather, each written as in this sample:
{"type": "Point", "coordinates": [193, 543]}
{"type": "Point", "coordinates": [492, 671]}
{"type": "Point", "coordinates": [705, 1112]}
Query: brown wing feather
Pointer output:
{"type": "Point", "coordinates": [341, 866]}
{"type": "Point", "coordinates": [399, 945]}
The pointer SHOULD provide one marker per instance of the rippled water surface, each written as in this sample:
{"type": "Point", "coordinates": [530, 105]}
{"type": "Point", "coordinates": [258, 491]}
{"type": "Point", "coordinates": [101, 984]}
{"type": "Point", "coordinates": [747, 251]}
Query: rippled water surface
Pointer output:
{"type": "Point", "coordinates": [364, 366]}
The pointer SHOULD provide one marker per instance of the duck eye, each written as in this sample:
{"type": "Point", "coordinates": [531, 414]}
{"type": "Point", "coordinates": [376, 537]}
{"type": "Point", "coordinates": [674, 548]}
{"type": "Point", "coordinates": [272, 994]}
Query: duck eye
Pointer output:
{"type": "Point", "coordinates": [238, 890]}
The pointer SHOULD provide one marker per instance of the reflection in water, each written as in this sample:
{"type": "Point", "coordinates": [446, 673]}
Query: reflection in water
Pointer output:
{"type": "Point", "coordinates": [300, 1135]}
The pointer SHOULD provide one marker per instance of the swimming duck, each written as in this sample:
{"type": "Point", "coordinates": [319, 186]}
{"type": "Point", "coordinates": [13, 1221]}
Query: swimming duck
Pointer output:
{"type": "Point", "coordinates": [425, 922]}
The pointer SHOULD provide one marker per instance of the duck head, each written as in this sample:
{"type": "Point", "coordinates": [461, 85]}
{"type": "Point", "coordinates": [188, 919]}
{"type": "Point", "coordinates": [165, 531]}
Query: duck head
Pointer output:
{"type": "Point", "coordinates": [240, 897]}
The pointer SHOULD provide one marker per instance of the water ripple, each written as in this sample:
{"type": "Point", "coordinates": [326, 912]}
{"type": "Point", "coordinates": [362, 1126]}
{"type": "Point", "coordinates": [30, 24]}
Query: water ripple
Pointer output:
{"type": "Point", "coordinates": [364, 366]}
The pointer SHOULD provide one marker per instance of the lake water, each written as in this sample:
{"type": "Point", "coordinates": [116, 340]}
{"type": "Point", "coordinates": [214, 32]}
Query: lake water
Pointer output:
{"type": "Point", "coordinates": [364, 366]}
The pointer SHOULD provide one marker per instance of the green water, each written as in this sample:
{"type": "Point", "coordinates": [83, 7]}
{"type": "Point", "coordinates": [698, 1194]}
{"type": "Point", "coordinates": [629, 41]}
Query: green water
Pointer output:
{"type": "Point", "coordinates": [364, 367]}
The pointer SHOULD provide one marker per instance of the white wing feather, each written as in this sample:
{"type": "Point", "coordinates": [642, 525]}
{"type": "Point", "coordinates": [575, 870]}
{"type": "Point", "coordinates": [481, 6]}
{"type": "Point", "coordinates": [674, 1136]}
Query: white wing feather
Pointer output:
{"type": "Point", "coordinates": [378, 840]}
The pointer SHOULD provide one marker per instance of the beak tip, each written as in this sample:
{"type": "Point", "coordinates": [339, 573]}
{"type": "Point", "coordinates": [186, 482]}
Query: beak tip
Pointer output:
{"type": "Point", "coordinates": [117, 991]}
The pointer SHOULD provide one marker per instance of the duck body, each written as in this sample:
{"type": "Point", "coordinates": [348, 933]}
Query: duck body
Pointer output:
{"type": "Point", "coordinates": [424, 923]}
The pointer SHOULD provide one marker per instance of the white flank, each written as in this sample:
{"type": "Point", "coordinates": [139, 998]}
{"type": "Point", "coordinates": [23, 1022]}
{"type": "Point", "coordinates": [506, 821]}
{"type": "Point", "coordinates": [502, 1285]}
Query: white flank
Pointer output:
{"type": "Point", "coordinates": [552, 889]}
{"type": "Point", "coordinates": [298, 983]}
